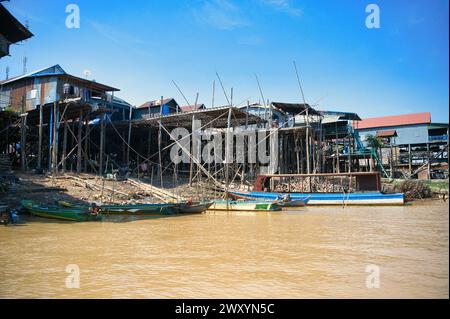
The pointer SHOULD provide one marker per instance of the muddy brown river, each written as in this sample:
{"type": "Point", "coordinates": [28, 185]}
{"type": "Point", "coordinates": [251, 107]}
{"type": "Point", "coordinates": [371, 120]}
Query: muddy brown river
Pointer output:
{"type": "Point", "coordinates": [325, 252]}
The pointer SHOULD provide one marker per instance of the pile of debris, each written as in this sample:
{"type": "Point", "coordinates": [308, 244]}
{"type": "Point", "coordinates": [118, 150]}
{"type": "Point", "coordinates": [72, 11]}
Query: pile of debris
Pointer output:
{"type": "Point", "coordinates": [414, 189]}
{"type": "Point", "coordinates": [315, 184]}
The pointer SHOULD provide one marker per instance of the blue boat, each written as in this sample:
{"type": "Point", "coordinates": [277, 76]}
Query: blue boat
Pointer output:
{"type": "Point", "coordinates": [357, 198]}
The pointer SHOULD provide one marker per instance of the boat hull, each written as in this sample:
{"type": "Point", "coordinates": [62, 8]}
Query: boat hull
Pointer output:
{"type": "Point", "coordinates": [139, 210]}
{"type": "Point", "coordinates": [244, 206]}
{"type": "Point", "coordinates": [193, 208]}
{"type": "Point", "coordinates": [369, 198]}
{"type": "Point", "coordinates": [60, 213]}
{"type": "Point", "coordinates": [293, 203]}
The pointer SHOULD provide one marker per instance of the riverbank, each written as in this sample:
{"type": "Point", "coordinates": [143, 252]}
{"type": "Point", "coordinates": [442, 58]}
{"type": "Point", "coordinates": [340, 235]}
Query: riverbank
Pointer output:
{"type": "Point", "coordinates": [88, 188]}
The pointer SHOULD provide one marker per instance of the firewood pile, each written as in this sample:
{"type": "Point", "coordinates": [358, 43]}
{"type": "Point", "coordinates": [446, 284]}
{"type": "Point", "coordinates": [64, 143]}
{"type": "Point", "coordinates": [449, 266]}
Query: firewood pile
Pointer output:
{"type": "Point", "coordinates": [318, 185]}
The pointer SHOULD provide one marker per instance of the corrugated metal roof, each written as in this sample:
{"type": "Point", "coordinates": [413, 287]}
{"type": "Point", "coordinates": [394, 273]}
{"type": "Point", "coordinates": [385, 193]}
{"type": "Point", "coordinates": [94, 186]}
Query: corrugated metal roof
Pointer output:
{"type": "Point", "coordinates": [11, 28]}
{"type": "Point", "coordinates": [189, 108]}
{"type": "Point", "coordinates": [396, 120]}
{"type": "Point", "coordinates": [387, 133]}
{"type": "Point", "coordinates": [57, 70]}
{"type": "Point", "coordinates": [155, 103]}
{"type": "Point", "coordinates": [295, 108]}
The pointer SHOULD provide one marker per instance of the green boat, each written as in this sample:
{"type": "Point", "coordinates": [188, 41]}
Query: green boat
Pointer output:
{"type": "Point", "coordinates": [77, 214]}
{"type": "Point", "coordinates": [131, 209]}
{"type": "Point", "coordinates": [244, 206]}
{"type": "Point", "coordinates": [139, 209]}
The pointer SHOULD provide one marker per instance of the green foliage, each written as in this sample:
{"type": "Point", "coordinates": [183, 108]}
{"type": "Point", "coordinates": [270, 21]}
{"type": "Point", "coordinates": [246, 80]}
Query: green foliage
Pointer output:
{"type": "Point", "coordinates": [374, 142]}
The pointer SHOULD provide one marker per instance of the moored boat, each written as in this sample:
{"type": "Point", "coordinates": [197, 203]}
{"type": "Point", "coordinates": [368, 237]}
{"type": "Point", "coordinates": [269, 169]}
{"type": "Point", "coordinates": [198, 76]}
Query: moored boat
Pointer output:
{"type": "Point", "coordinates": [61, 213]}
{"type": "Point", "coordinates": [293, 203]}
{"type": "Point", "coordinates": [248, 205]}
{"type": "Point", "coordinates": [356, 198]}
{"type": "Point", "coordinates": [140, 209]}
{"type": "Point", "coordinates": [194, 208]}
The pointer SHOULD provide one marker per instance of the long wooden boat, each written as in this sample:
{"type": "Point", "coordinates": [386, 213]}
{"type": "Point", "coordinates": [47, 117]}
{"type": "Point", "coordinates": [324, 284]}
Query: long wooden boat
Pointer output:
{"type": "Point", "coordinates": [293, 202]}
{"type": "Point", "coordinates": [195, 208]}
{"type": "Point", "coordinates": [61, 213]}
{"type": "Point", "coordinates": [150, 209]}
{"type": "Point", "coordinates": [357, 198]}
{"type": "Point", "coordinates": [249, 205]}
{"type": "Point", "coordinates": [140, 209]}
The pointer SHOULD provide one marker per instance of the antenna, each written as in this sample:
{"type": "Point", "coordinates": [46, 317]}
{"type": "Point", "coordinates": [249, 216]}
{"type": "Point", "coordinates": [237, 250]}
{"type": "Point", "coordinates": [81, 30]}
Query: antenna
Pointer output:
{"type": "Point", "coordinates": [179, 90]}
{"type": "Point", "coordinates": [213, 92]}
{"type": "Point", "coordinates": [7, 72]}
{"type": "Point", "coordinates": [223, 89]}
{"type": "Point", "coordinates": [25, 58]}
{"type": "Point", "coordinates": [87, 73]}
{"type": "Point", "coordinates": [299, 83]}
{"type": "Point", "coordinates": [264, 103]}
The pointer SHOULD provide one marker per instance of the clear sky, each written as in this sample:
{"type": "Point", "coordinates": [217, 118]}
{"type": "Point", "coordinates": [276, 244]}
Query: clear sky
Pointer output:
{"type": "Point", "coordinates": [141, 46]}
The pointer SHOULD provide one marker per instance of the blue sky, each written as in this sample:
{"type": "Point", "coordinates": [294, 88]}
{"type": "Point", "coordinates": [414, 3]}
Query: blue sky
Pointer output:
{"type": "Point", "coordinates": [141, 46]}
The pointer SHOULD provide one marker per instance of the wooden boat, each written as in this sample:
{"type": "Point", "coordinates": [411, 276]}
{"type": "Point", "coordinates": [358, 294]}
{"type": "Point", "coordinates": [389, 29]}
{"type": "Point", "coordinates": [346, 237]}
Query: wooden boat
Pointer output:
{"type": "Point", "coordinates": [195, 208]}
{"type": "Point", "coordinates": [140, 209]}
{"type": "Point", "coordinates": [293, 203]}
{"type": "Point", "coordinates": [357, 198]}
{"type": "Point", "coordinates": [249, 205]}
{"type": "Point", "coordinates": [355, 188]}
{"type": "Point", "coordinates": [150, 209]}
{"type": "Point", "coordinates": [61, 213]}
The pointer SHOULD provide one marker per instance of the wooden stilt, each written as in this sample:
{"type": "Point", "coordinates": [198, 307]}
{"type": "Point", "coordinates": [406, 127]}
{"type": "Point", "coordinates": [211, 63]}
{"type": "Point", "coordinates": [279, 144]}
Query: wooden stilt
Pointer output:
{"type": "Point", "coordinates": [129, 136]}
{"type": "Point", "coordinates": [102, 145]}
{"type": "Point", "coordinates": [79, 144]}
{"type": "Point", "coordinates": [64, 150]}
{"type": "Point", "coordinates": [409, 160]}
{"type": "Point", "coordinates": [86, 142]}
{"type": "Point", "coordinates": [55, 139]}
{"type": "Point", "coordinates": [39, 159]}
{"type": "Point", "coordinates": [23, 137]}
{"type": "Point", "coordinates": [159, 144]}
{"type": "Point", "coordinates": [428, 162]}
{"type": "Point", "coordinates": [193, 152]}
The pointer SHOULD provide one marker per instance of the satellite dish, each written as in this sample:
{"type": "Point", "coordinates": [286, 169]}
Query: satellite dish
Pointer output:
{"type": "Point", "coordinates": [87, 73]}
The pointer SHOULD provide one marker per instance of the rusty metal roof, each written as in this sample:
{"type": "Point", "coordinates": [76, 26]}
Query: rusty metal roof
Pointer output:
{"type": "Point", "coordinates": [396, 120]}
{"type": "Point", "coordinates": [387, 133]}
{"type": "Point", "coordinates": [295, 108]}
{"type": "Point", "coordinates": [189, 108]}
{"type": "Point", "coordinates": [216, 117]}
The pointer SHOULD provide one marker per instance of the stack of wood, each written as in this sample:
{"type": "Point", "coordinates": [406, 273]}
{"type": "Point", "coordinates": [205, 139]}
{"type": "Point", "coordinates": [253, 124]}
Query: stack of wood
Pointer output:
{"type": "Point", "coordinates": [318, 185]}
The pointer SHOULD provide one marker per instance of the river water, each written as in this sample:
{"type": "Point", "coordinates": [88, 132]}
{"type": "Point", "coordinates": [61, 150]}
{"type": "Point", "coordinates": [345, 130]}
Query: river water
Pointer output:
{"type": "Point", "coordinates": [311, 252]}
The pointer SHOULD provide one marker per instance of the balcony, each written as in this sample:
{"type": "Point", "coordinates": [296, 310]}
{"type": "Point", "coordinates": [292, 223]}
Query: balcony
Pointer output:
{"type": "Point", "coordinates": [438, 138]}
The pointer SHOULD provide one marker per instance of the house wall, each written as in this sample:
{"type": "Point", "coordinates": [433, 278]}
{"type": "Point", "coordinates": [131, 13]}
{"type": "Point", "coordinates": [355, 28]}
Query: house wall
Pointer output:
{"type": "Point", "coordinates": [408, 134]}
{"type": "Point", "coordinates": [36, 91]}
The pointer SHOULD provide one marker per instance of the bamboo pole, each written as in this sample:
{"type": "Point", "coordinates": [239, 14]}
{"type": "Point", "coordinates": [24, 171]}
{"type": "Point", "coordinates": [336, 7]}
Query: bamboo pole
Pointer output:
{"type": "Point", "coordinates": [23, 137]}
{"type": "Point", "coordinates": [159, 143]}
{"type": "Point", "coordinates": [102, 144]}
{"type": "Point", "coordinates": [64, 150]}
{"type": "Point", "coordinates": [41, 116]}
{"type": "Point", "coordinates": [129, 135]}
{"type": "Point", "coordinates": [79, 144]}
